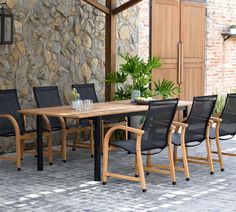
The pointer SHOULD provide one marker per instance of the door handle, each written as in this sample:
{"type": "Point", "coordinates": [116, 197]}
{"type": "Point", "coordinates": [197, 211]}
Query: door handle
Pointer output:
{"type": "Point", "coordinates": [179, 64]}
{"type": "Point", "coordinates": [182, 64]}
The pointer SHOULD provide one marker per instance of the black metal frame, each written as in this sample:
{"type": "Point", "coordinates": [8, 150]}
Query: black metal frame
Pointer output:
{"type": "Point", "coordinates": [97, 138]}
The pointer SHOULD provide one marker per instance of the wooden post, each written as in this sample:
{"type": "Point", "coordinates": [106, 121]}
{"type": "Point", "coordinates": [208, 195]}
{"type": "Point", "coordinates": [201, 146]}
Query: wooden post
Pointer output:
{"type": "Point", "coordinates": [110, 47]}
{"type": "Point", "coordinates": [110, 44]}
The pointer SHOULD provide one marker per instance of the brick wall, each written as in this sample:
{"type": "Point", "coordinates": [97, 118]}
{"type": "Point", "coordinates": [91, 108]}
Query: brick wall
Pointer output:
{"type": "Point", "coordinates": [220, 70]}
{"type": "Point", "coordinates": [220, 56]}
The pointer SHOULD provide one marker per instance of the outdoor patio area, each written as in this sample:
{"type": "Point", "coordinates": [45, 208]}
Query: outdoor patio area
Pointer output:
{"type": "Point", "coordinates": [117, 105]}
{"type": "Point", "coordinates": [70, 186]}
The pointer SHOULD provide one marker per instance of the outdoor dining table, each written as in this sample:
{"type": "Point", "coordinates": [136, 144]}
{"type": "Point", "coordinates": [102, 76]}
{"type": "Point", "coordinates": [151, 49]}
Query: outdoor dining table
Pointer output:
{"type": "Point", "coordinates": [103, 110]}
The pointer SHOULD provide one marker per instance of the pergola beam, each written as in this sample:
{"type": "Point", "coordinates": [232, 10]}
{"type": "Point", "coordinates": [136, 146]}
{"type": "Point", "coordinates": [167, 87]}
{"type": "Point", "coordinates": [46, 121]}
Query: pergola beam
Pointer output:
{"type": "Point", "coordinates": [125, 6]}
{"type": "Point", "coordinates": [98, 6]}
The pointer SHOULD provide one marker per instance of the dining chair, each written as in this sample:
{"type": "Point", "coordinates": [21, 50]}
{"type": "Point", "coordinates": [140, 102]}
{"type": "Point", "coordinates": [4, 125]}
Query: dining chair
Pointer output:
{"type": "Point", "coordinates": [193, 132]}
{"type": "Point", "coordinates": [14, 124]}
{"type": "Point", "coordinates": [87, 91]}
{"type": "Point", "coordinates": [154, 137]}
{"type": "Point", "coordinates": [225, 126]}
{"type": "Point", "coordinates": [48, 96]}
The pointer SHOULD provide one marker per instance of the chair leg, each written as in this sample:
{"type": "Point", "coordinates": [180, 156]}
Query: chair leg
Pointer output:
{"type": "Point", "coordinates": [102, 135]}
{"type": "Point", "coordinates": [91, 142]}
{"type": "Point", "coordinates": [49, 139]}
{"type": "Point", "coordinates": [172, 165]}
{"type": "Point", "coordinates": [63, 145]}
{"type": "Point", "coordinates": [219, 152]}
{"type": "Point", "coordinates": [141, 171]}
{"type": "Point", "coordinates": [18, 152]}
{"type": "Point", "coordinates": [209, 156]}
{"type": "Point", "coordinates": [126, 131]}
{"type": "Point", "coordinates": [175, 154]}
{"type": "Point", "coordinates": [105, 164]}
{"type": "Point", "coordinates": [136, 166]}
{"type": "Point", "coordinates": [149, 160]}
{"type": "Point", "coordinates": [185, 161]}
{"type": "Point", "coordinates": [75, 141]}
{"type": "Point", "coordinates": [22, 147]}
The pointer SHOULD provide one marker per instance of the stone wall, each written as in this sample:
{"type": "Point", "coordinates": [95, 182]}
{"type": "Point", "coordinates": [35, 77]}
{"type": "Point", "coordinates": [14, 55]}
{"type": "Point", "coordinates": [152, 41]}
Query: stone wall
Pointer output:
{"type": "Point", "coordinates": [220, 55]}
{"type": "Point", "coordinates": [59, 42]}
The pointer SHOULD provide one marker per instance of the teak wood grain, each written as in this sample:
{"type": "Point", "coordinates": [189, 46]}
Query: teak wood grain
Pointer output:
{"type": "Point", "coordinates": [100, 109]}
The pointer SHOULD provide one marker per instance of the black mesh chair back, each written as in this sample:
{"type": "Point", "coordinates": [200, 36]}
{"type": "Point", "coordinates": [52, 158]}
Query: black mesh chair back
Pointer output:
{"type": "Point", "coordinates": [86, 91]}
{"type": "Point", "coordinates": [48, 97]}
{"type": "Point", "coordinates": [228, 124]}
{"type": "Point", "coordinates": [199, 117]}
{"type": "Point", "coordinates": [9, 104]}
{"type": "Point", "coordinates": [157, 124]}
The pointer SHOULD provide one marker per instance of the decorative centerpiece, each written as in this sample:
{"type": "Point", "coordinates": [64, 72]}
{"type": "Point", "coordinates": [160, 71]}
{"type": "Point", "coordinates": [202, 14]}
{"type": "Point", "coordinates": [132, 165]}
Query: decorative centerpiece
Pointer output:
{"type": "Point", "coordinates": [75, 99]}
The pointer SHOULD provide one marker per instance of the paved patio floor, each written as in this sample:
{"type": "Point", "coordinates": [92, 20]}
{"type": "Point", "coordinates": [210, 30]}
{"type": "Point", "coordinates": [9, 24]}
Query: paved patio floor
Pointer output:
{"type": "Point", "coordinates": [70, 186]}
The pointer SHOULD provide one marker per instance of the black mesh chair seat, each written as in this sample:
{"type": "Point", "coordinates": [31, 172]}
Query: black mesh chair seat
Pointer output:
{"type": "Point", "coordinates": [130, 145]}
{"type": "Point", "coordinates": [112, 120]}
{"type": "Point", "coordinates": [81, 124]}
{"type": "Point", "coordinates": [9, 104]}
{"type": "Point", "coordinates": [195, 131]}
{"type": "Point", "coordinates": [156, 127]}
{"type": "Point", "coordinates": [197, 120]}
{"type": "Point", "coordinates": [13, 133]}
{"type": "Point", "coordinates": [223, 132]}
{"type": "Point", "coordinates": [228, 116]}
{"type": "Point", "coordinates": [49, 97]}
{"type": "Point", "coordinates": [190, 137]}
{"type": "Point", "coordinates": [155, 135]}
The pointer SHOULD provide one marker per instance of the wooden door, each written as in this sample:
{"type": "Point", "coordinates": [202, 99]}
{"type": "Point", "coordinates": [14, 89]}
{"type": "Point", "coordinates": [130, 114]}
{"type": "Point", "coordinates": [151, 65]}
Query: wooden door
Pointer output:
{"type": "Point", "coordinates": [192, 37]}
{"type": "Point", "coordinates": [178, 39]}
{"type": "Point", "coordinates": [165, 37]}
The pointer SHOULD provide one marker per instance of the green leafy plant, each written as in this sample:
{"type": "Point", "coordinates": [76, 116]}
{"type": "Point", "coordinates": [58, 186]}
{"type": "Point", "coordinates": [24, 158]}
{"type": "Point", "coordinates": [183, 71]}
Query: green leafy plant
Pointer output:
{"type": "Point", "coordinates": [166, 89]}
{"type": "Point", "coordinates": [133, 74]}
{"type": "Point", "coordinates": [232, 26]}
{"type": "Point", "coordinates": [219, 106]}
{"type": "Point", "coordinates": [74, 95]}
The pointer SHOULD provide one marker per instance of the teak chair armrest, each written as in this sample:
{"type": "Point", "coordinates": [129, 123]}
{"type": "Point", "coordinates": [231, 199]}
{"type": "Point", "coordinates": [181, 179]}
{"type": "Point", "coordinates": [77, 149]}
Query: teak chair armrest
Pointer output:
{"type": "Point", "coordinates": [179, 124]}
{"type": "Point", "coordinates": [13, 122]}
{"type": "Point", "coordinates": [172, 127]}
{"type": "Point", "coordinates": [215, 119]}
{"type": "Point", "coordinates": [122, 127]}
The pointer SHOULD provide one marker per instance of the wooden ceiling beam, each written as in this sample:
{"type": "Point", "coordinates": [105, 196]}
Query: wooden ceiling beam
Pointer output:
{"type": "Point", "coordinates": [125, 6]}
{"type": "Point", "coordinates": [98, 6]}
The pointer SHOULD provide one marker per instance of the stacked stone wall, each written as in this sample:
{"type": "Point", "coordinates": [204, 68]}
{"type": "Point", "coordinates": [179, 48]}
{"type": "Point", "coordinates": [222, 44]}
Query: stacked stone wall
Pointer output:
{"type": "Point", "coordinates": [59, 42]}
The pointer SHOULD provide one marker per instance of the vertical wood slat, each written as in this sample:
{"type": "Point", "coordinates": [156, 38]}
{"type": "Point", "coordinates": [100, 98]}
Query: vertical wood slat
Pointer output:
{"type": "Point", "coordinates": [179, 22]}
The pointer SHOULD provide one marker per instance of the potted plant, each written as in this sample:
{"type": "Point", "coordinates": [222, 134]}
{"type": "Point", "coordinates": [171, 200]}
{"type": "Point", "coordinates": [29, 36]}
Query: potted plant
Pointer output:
{"type": "Point", "coordinates": [75, 99]}
{"type": "Point", "coordinates": [166, 89]}
{"type": "Point", "coordinates": [133, 77]}
{"type": "Point", "coordinates": [219, 106]}
{"type": "Point", "coordinates": [232, 29]}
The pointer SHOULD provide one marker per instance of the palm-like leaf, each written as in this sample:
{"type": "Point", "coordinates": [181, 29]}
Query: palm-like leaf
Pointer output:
{"type": "Point", "coordinates": [166, 88]}
{"type": "Point", "coordinates": [134, 74]}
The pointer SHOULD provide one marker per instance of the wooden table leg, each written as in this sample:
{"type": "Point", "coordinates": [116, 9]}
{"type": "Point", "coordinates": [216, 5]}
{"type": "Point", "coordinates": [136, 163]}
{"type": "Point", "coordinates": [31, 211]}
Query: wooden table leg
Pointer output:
{"type": "Point", "coordinates": [97, 149]}
{"type": "Point", "coordinates": [40, 143]}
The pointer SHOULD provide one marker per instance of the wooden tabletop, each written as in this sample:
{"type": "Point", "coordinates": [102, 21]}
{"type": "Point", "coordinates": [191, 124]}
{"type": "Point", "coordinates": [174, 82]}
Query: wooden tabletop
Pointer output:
{"type": "Point", "coordinates": [99, 109]}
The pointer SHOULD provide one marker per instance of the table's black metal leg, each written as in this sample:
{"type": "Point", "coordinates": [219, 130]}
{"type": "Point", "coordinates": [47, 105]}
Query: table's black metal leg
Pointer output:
{"type": "Point", "coordinates": [40, 143]}
{"type": "Point", "coordinates": [129, 134]}
{"type": "Point", "coordinates": [97, 149]}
